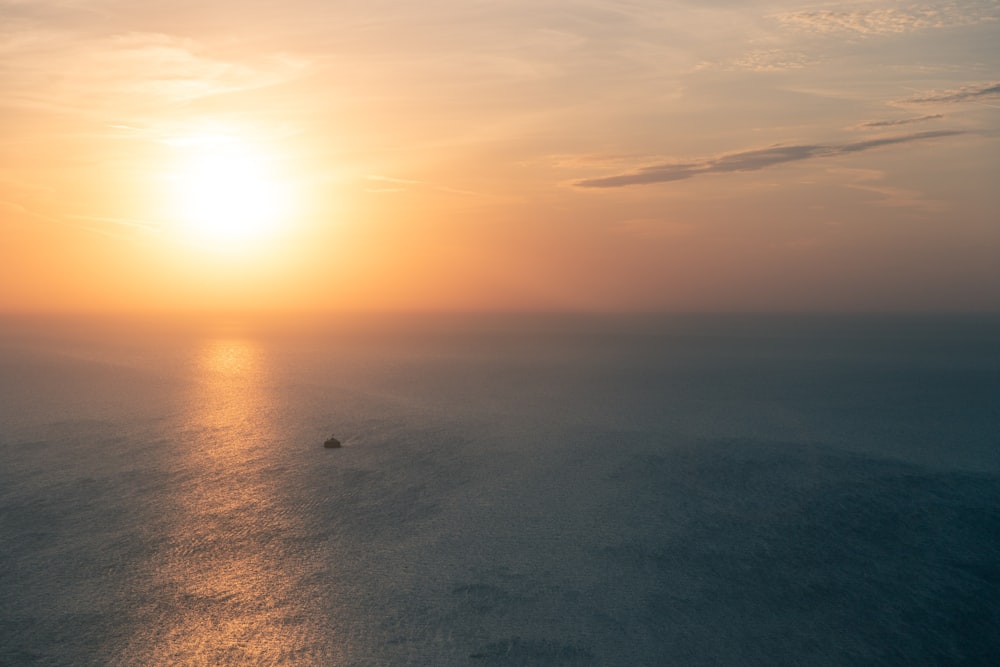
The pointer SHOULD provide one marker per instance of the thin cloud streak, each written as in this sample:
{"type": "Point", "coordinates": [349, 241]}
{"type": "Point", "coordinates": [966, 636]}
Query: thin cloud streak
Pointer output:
{"type": "Point", "coordinates": [898, 121]}
{"type": "Point", "coordinates": [125, 222]}
{"type": "Point", "coordinates": [406, 183]}
{"type": "Point", "coordinates": [959, 94]}
{"type": "Point", "coordinates": [751, 160]}
{"type": "Point", "coordinates": [120, 225]}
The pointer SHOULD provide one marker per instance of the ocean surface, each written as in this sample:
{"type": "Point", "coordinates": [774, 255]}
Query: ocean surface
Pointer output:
{"type": "Point", "coordinates": [511, 490]}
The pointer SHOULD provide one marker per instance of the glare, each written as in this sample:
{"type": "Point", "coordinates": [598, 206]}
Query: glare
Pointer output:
{"type": "Point", "coordinates": [228, 193]}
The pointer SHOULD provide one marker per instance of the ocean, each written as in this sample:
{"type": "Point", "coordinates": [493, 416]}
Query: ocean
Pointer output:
{"type": "Point", "coordinates": [511, 490]}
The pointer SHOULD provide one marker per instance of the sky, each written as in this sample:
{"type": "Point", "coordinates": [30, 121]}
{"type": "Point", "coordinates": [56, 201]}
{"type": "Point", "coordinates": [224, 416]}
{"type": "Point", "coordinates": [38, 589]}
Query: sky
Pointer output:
{"type": "Point", "coordinates": [593, 155]}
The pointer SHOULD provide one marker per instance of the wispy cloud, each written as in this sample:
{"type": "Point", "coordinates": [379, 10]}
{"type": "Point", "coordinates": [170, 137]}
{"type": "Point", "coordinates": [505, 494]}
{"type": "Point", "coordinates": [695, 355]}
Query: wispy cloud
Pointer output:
{"type": "Point", "coordinates": [391, 179]}
{"type": "Point", "coordinates": [394, 184]}
{"type": "Point", "coordinates": [869, 124]}
{"type": "Point", "coordinates": [864, 22]}
{"type": "Point", "coordinates": [15, 210]}
{"type": "Point", "coordinates": [870, 181]}
{"type": "Point", "coordinates": [889, 21]}
{"type": "Point", "coordinates": [769, 60]}
{"type": "Point", "coordinates": [963, 94]}
{"type": "Point", "coordinates": [128, 223]}
{"type": "Point", "coordinates": [750, 160]}
{"type": "Point", "coordinates": [66, 71]}
{"type": "Point", "coordinates": [14, 207]}
{"type": "Point", "coordinates": [117, 228]}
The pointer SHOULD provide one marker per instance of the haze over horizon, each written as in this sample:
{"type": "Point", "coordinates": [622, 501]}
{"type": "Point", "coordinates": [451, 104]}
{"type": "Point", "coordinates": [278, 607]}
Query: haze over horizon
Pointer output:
{"type": "Point", "coordinates": [567, 155]}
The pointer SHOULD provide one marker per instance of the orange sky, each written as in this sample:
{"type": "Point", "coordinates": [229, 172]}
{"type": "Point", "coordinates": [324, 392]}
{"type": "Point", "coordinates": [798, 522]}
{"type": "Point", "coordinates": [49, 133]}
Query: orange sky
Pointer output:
{"type": "Point", "coordinates": [573, 154]}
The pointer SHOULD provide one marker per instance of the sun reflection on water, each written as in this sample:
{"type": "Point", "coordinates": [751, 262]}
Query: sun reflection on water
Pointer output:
{"type": "Point", "coordinates": [228, 577]}
{"type": "Point", "coordinates": [229, 398]}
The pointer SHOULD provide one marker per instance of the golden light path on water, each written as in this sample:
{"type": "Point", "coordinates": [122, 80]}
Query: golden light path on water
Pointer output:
{"type": "Point", "coordinates": [228, 584]}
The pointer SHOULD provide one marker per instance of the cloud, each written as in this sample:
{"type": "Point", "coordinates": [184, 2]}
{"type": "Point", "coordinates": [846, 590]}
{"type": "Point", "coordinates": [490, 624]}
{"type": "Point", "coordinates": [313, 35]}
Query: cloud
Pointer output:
{"type": "Point", "coordinates": [15, 207]}
{"type": "Point", "coordinates": [763, 157]}
{"type": "Point", "coordinates": [760, 60]}
{"type": "Point", "coordinates": [901, 198]}
{"type": "Point", "coordinates": [126, 223]}
{"type": "Point", "coordinates": [66, 71]}
{"type": "Point", "coordinates": [869, 180]}
{"type": "Point", "coordinates": [962, 94]}
{"type": "Point", "coordinates": [890, 21]}
{"type": "Point", "coordinates": [864, 22]}
{"type": "Point", "coordinates": [394, 184]}
{"type": "Point", "coordinates": [858, 146]}
{"type": "Point", "coordinates": [390, 179]}
{"type": "Point", "coordinates": [750, 160]}
{"type": "Point", "coordinates": [898, 121]}
{"type": "Point", "coordinates": [117, 228]}
{"type": "Point", "coordinates": [18, 211]}
{"type": "Point", "coordinates": [772, 60]}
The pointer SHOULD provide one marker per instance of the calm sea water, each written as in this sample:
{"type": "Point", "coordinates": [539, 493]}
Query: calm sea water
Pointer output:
{"type": "Point", "coordinates": [683, 490]}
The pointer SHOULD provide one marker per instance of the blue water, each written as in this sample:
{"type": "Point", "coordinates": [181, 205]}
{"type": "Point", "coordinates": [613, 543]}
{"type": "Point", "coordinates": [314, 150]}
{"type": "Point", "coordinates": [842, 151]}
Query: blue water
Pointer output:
{"type": "Point", "coordinates": [529, 490]}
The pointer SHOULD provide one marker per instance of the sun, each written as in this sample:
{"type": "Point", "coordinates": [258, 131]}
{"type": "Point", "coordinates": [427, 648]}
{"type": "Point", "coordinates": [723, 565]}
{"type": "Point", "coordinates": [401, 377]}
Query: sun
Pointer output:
{"type": "Point", "coordinates": [227, 193]}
